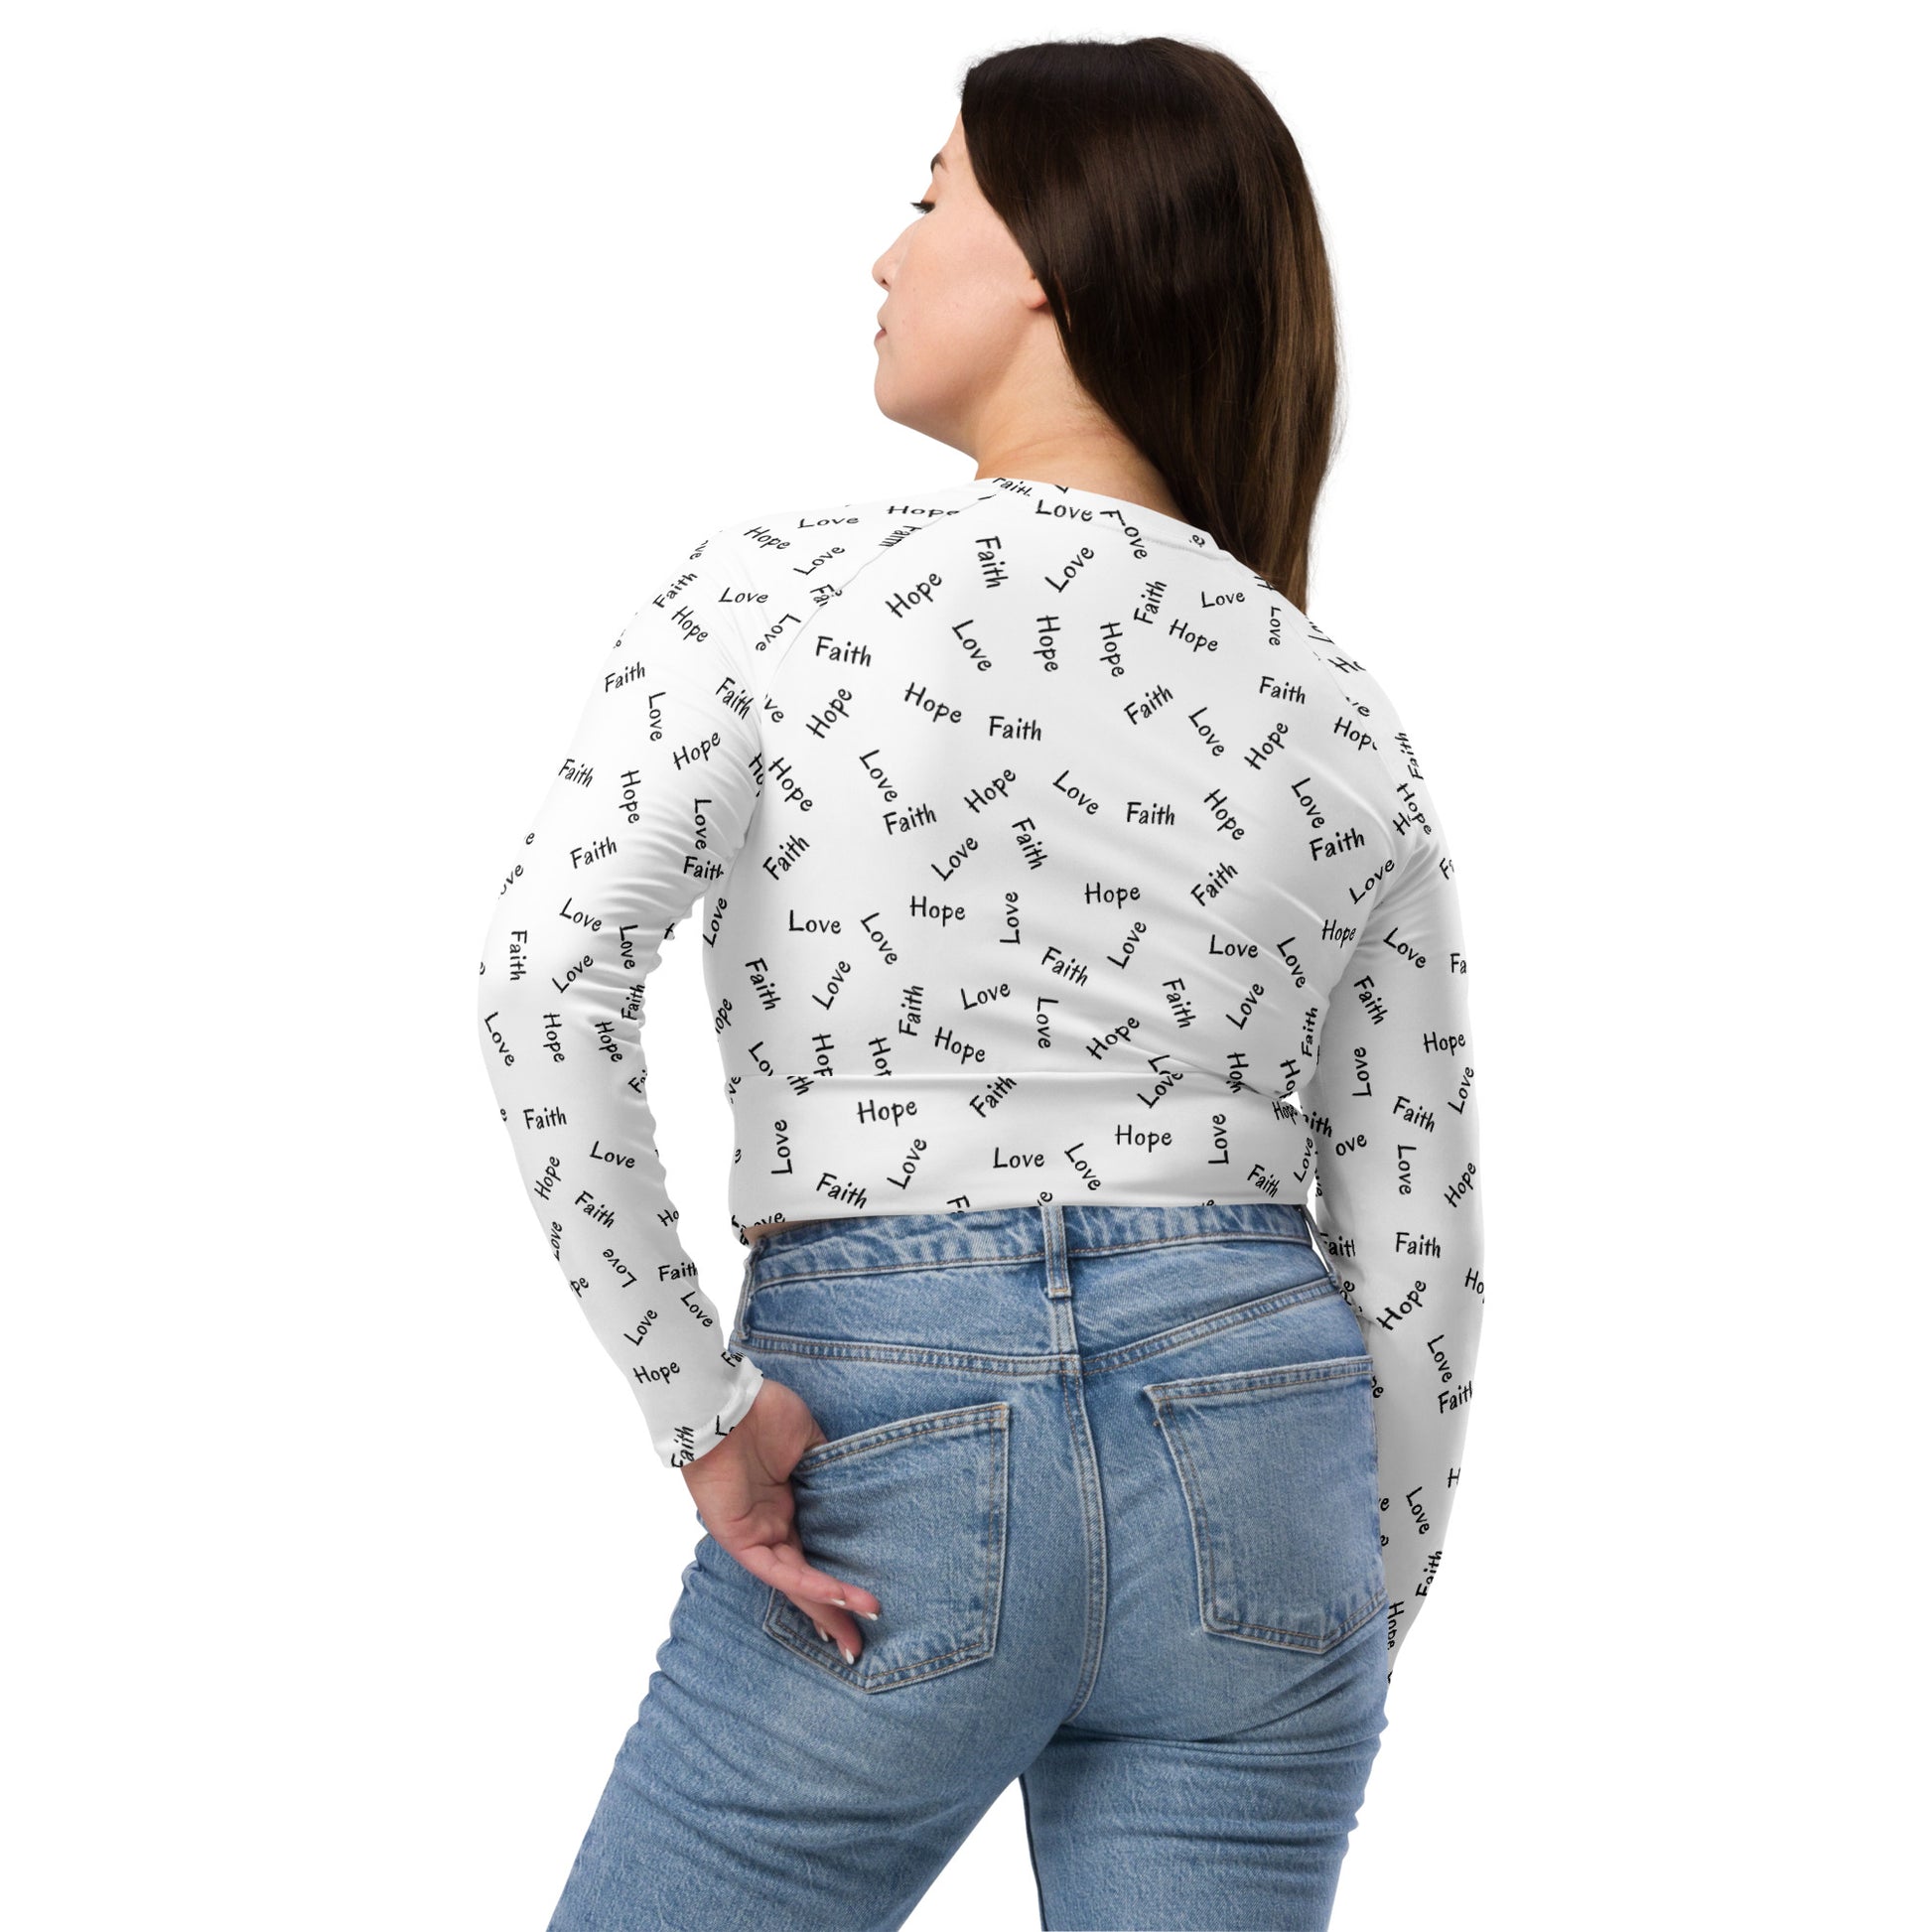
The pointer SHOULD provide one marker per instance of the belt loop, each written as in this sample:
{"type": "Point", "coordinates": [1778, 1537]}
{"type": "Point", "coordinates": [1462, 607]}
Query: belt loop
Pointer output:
{"type": "Point", "coordinates": [1059, 1284]}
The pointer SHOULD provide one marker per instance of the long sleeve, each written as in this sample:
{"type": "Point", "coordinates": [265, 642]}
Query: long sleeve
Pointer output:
{"type": "Point", "coordinates": [1394, 1113]}
{"type": "Point", "coordinates": [648, 810]}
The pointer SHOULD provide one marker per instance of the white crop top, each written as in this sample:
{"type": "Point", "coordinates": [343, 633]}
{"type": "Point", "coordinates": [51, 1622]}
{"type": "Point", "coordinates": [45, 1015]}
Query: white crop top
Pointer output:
{"type": "Point", "coordinates": [1049, 853]}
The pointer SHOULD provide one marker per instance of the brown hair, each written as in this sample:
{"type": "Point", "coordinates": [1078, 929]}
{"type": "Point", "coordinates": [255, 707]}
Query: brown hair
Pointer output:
{"type": "Point", "coordinates": [1160, 202]}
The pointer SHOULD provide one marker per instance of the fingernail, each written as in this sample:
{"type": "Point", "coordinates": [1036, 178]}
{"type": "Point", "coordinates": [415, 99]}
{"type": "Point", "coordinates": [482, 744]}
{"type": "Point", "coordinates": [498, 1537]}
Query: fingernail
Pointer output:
{"type": "Point", "coordinates": [871, 1616]}
{"type": "Point", "coordinates": [824, 1635]}
{"type": "Point", "coordinates": [841, 1602]}
{"type": "Point", "coordinates": [849, 1657]}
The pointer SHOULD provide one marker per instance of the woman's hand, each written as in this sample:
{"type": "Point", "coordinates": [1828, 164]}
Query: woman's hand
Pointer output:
{"type": "Point", "coordinates": [742, 1490]}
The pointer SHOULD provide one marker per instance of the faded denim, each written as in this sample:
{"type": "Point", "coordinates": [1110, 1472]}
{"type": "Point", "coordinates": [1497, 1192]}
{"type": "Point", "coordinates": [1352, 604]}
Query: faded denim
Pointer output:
{"type": "Point", "coordinates": [1111, 1473]}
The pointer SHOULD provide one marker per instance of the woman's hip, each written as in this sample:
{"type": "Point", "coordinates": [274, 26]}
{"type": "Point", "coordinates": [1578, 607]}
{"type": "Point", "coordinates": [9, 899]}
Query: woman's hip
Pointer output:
{"type": "Point", "coordinates": [1137, 1435]}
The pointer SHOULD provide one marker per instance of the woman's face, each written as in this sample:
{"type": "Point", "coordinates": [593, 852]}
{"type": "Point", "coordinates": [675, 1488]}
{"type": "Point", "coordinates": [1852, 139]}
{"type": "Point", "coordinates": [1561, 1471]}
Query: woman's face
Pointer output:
{"type": "Point", "coordinates": [961, 310]}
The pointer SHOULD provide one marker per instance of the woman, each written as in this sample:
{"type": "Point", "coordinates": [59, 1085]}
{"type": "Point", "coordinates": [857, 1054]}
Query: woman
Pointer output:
{"type": "Point", "coordinates": [1078, 910]}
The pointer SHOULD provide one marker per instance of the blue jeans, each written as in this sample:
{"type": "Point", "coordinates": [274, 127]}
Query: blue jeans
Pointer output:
{"type": "Point", "coordinates": [1111, 1473]}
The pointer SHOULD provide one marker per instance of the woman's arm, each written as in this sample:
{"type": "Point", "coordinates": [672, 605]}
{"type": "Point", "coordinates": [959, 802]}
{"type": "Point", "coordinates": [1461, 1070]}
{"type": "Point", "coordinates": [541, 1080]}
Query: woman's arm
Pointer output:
{"type": "Point", "coordinates": [1394, 1112]}
{"type": "Point", "coordinates": [648, 810]}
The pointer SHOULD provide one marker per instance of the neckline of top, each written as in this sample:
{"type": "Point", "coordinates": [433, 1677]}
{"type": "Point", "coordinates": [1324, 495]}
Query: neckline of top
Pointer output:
{"type": "Point", "coordinates": [1150, 522]}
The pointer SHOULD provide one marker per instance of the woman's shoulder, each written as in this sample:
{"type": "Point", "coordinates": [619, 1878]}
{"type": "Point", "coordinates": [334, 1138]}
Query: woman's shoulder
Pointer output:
{"type": "Point", "coordinates": [799, 546]}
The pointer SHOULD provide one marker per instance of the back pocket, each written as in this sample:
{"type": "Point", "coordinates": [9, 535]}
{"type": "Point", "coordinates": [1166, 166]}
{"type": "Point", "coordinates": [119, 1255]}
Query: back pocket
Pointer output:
{"type": "Point", "coordinates": [914, 1511]}
{"type": "Point", "coordinates": [1278, 1470]}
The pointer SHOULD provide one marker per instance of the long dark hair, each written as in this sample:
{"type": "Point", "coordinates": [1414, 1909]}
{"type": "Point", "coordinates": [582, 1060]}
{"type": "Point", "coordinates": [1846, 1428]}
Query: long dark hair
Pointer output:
{"type": "Point", "coordinates": [1160, 202]}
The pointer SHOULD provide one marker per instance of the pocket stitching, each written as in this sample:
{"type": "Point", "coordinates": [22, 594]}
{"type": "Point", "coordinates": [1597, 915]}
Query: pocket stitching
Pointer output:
{"type": "Point", "coordinates": [783, 1617]}
{"type": "Point", "coordinates": [944, 1660]}
{"type": "Point", "coordinates": [863, 1441]}
{"type": "Point", "coordinates": [1309, 1640]}
{"type": "Point", "coordinates": [1207, 1328]}
{"type": "Point", "coordinates": [1310, 1643]}
{"type": "Point", "coordinates": [1241, 1381]}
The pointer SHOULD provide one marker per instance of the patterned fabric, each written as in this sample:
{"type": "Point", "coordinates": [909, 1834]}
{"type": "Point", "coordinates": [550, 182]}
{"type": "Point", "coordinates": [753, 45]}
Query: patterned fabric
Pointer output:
{"type": "Point", "coordinates": [1050, 855]}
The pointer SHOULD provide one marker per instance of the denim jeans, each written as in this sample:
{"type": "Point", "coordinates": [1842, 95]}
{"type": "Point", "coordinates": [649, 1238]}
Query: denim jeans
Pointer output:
{"type": "Point", "coordinates": [1111, 1473]}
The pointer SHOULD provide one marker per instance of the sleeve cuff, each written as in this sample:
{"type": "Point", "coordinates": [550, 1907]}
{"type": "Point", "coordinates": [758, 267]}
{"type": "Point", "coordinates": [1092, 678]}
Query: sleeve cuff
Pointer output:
{"type": "Point", "coordinates": [750, 1381]}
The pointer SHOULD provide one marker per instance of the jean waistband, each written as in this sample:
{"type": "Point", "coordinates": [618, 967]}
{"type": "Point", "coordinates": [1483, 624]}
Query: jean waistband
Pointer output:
{"type": "Point", "coordinates": [1013, 1233]}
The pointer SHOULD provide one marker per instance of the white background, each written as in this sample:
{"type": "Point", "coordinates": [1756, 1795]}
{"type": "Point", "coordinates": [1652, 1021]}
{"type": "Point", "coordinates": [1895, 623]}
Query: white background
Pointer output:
{"type": "Point", "coordinates": [367, 368]}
